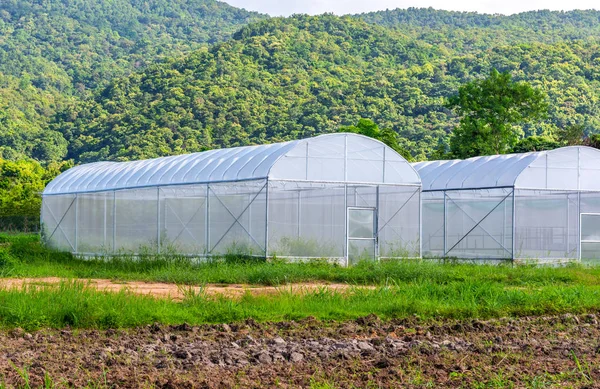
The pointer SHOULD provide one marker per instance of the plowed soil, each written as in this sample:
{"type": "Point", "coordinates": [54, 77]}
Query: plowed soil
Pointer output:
{"type": "Point", "coordinates": [172, 291]}
{"type": "Point", "coordinates": [541, 352]}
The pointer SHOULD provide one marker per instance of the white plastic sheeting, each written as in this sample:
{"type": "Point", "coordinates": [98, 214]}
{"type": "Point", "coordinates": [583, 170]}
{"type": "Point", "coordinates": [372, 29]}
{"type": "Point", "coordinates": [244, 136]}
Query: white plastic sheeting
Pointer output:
{"type": "Point", "coordinates": [567, 168]}
{"type": "Point", "coordinates": [534, 206]}
{"type": "Point", "coordinates": [333, 157]}
{"type": "Point", "coordinates": [300, 199]}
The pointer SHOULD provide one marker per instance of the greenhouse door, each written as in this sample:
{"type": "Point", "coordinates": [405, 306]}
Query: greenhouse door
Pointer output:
{"type": "Point", "coordinates": [590, 237]}
{"type": "Point", "coordinates": [361, 233]}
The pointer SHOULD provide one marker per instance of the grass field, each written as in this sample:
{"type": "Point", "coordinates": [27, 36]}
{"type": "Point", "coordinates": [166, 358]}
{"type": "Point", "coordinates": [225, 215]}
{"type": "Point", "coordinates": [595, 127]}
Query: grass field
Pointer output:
{"type": "Point", "coordinates": [404, 288]}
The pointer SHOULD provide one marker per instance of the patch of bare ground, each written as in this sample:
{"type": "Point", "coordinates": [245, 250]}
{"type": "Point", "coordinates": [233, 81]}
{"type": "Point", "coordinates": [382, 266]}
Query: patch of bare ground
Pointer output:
{"type": "Point", "coordinates": [555, 351]}
{"type": "Point", "coordinates": [176, 292]}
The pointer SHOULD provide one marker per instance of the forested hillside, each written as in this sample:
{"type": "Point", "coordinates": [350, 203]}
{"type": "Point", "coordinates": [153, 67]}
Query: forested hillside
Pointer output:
{"type": "Point", "coordinates": [294, 77]}
{"type": "Point", "coordinates": [53, 52]}
{"type": "Point", "coordinates": [470, 31]}
{"type": "Point", "coordinates": [123, 79]}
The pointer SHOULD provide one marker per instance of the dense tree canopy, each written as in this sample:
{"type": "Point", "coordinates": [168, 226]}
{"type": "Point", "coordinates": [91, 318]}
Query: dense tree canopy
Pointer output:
{"type": "Point", "coordinates": [55, 52]}
{"type": "Point", "coordinates": [123, 79]}
{"type": "Point", "coordinates": [490, 110]}
{"type": "Point", "coordinates": [295, 77]}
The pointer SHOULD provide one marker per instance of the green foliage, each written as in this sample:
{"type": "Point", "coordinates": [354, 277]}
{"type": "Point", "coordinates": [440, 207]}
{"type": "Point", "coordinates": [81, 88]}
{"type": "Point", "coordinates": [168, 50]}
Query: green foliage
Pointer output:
{"type": "Point", "coordinates": [571, 135]}
{"type": "Point", "coordinates": [490, 110]}
{"type": "Point", "coordinates": [315, 75]}
{"type": "Point", "coordinates": [127, 79]}
{"type": "Point", "coordinates": [368, 128]}
{"type": "Point", "coordinates": [54, 53]}
{"type": "Point", "coordinates": [21, 183]}
{"type": "Point", "coordinates": [535, 143]}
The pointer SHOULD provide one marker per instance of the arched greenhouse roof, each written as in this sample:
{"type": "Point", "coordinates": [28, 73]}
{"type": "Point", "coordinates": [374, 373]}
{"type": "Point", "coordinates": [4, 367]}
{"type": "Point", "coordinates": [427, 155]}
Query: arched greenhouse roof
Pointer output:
{"type": "Point", "coordinates": [567, 168]}
{"type": "Point", "coordinates": [336, 157]}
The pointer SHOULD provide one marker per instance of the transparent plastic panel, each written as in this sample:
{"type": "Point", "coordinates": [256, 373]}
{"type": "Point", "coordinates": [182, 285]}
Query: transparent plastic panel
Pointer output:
{"type": "Point", "coordinates": [589, 169]}
{"type": "Point", "coordinates": [590, 228]}
{"type": "Point", "coordinates": [326, 159]}
{"type": "Point", "coordinates": [362, 196]}
{"type": "Point", "coordinates": [136, 221]}
{"type": "Point", "coordinates": [398, 222]}
{"type": "Point", "coordinates": [306, 220]}
{"type": "Point", "coordinates": [361, 223]}
{"type": "Point", "coordinates": [547, 225]}
{"type": "Point", "coordinates": [237, 217]}
{"type": "Point", "coordinates": [563, 169]}
{"type": "Point", "coordinates": [360, 250]}
{"type": "Point", "coordinates": [433, 224]}
{"type": "Point", "coordinates": [590, 253]}
{"type": "Point", "coordinates": [365, 160]}
{"type": "Point", "coordinates": [58, 222]}
{"type": "Point", "coordinates": [95, 220]}
{"type": "Point", "coordinates": [479, 224]}
{"type": "Point", "coordinates": [183, 219]}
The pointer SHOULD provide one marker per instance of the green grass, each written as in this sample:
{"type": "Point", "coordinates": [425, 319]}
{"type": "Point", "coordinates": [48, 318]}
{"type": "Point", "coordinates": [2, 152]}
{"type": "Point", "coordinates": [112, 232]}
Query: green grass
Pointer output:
{"type": "Point", "coordinates": [404, 288]}
{"type": "Point", "coordinates": [23, 256]}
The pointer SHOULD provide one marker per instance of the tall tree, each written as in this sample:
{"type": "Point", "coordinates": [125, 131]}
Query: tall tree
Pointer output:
{"type": "Point", "coordinates": [491, 111]}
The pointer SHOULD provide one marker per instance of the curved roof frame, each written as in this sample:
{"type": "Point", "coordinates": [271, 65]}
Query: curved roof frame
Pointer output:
{"type": "Point", "coordinates": [245, 164]}
{"type": "Point", "coordinates": [567, 168]}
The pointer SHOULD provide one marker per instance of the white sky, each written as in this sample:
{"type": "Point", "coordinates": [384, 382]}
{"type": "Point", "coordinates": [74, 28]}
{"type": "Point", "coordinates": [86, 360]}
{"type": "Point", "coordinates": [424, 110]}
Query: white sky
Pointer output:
{"type": "Point", "coordinates": [340, 7]}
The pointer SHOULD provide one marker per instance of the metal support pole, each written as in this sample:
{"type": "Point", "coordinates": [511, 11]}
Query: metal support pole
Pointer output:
{"type": "Point", "coordinates": [207, 221]}
{"type": "Point", "coordinates": [568, 225]}
{"type": "Point", "coordinates": [105, 227]}
{"type": "Point", "coordinates": [299, 213]}
{"type": "Point", "coordinates": [376, 221]}
{"type": "Point", "coordinates": [579, 226]}
{"type": "Point", "coordinates": [346, 249]}
{"type": "Point", "coordinates": [445, 225]}
{"type": "Point", "coordinates": [346, 224]}
{"type": "Point", "coordinates": [114, 221]}
{"type": "Point", "coordinates": [514, 225]}
{"type": "Point", "coordinates": [267, 219]}
{"type": "Point", "coordinates": [76, 223]}
{"type": "Point", "coordinates": [420, 223]}
{"type": "Point", "coordinates": [158, 219]}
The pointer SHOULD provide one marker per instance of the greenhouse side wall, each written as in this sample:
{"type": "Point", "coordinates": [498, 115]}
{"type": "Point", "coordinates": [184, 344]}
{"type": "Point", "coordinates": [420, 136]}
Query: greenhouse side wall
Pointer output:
{"type": "Point", "coordinates": [197, 220]}
{"type": "Point", "coordinates": [468, 224]}
{"type": "Point", "coordinates": [547, 225]}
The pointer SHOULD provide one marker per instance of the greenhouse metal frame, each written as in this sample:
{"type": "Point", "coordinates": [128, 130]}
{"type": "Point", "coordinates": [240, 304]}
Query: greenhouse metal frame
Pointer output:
{"type": "Point", "coordinates": [339, 196]}
{"type": "Point", "coordinates": [540, 206]}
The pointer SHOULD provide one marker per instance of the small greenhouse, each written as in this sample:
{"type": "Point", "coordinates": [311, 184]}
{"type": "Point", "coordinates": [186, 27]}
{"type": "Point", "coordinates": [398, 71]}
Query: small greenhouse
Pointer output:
{"type": "Point", "coordinates": [339, 196]}
{"type": "Point", "coordinates": [542, 206]}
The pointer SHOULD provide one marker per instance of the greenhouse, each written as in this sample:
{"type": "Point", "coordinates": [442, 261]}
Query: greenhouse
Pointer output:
{"type": "Point", "coordinates": [541, 206]}
{"type": "Point", "coordinates": [340, 196]}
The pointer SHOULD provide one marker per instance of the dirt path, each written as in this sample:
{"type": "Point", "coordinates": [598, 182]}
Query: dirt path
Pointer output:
{"type": "Point", "coordinates": [173, 291]}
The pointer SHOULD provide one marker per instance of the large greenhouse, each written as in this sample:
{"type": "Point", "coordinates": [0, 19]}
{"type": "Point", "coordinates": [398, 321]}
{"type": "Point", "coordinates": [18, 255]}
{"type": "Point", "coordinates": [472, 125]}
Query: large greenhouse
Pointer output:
{"type": "Point", "coordinates": [340, 196]}
{"type": "Point", "coordinates": [542, 206]}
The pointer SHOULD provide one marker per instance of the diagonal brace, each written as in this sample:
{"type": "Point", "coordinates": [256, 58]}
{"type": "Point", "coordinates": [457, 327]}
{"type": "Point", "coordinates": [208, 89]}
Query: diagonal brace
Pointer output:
{"type": "Point", "coordinates": [60, 222]}
{"type": "Point", "coordinates": [236, 219]}
{"type": "Point", "coordinates": [478, 223]}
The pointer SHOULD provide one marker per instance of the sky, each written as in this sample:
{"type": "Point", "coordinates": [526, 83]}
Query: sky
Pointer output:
{"type": "Point", "coordinates": [340, 7]}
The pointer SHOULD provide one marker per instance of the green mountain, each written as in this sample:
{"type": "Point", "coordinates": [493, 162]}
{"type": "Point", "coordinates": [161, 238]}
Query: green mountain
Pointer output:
{"type": "Point", "coordinates": [55, 52]}
{"type": "Point", "coordinates": [285, 78]}
{"type": "Point", "coordinates": [471, 31]}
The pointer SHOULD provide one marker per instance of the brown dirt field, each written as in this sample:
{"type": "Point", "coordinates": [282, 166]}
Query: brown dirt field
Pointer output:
{"type": "Point", "coordinates": [538, 352]}
{"type": "Point", "coordinates": [173, 291]}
